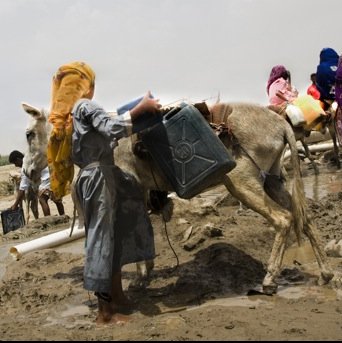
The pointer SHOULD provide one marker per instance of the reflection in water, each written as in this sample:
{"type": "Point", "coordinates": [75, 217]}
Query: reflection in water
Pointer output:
{"type": "Point", "coordinates": [318, 186]}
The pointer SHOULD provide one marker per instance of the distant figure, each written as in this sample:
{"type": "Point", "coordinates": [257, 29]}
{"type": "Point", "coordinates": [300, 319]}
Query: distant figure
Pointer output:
{"type": "Point", "coordinates": [325, 76]}
{"type": "Point", "coordinates": [279, 88]}
{"type": "Point", "coordinates": [338, 83]}
{"type": "Point", "coordinates": [44, 192]}
{"type": "Point", "coordinates": [338, 98]}
{"type": "Point", "coordinates": [14, 178]}
{"type": "Point", "coordinates": [312, 89]}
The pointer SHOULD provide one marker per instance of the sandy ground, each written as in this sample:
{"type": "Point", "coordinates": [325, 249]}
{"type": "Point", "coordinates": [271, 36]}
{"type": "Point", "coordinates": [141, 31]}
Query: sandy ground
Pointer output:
{"type": "Point", "coordinates": [206, 289]}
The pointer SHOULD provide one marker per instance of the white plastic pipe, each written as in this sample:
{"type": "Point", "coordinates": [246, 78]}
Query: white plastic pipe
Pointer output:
{"type": "Point", "coordinates": [313, 148]}
{"type": "Point", "coordinates": [52, 240]}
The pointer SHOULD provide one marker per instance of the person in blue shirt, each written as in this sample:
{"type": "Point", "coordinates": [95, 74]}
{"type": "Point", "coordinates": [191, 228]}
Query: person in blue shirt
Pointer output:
{"type": "Point", "coordinates": [325, 76]}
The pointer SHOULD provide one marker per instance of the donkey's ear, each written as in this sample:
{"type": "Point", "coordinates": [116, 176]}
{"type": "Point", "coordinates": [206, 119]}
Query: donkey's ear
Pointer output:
{"type": "Point", "coordinates": [33, 111]}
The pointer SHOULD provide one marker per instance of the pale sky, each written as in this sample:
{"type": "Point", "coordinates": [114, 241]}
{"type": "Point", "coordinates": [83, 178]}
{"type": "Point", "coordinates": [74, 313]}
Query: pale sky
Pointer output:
{"type": "Point", "coordinates": [192, 49]}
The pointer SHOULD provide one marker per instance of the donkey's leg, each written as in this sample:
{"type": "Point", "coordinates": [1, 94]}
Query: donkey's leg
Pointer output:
{"type": "Point", "coordinates": [144, 269]}
{"type": "Point", "coordinates": [250, 191]}
{"type": "Point", "coordinates": [142, 279]}
{"type": "Point", "coordinates": [309, 156]}
{"type": "Point", "coordinates": [312, 233]}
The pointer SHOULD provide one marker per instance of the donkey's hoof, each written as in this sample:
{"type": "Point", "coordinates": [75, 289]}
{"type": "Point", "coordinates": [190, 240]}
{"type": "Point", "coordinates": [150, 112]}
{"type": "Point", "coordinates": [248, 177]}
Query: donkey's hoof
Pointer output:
{"type": "Point", "coordinates": [269, 289]}
{"type": "Point", "coordinates": [337, 281]}
{"type": "Point", "coordinates": [325, 278]}
{"type": "Point", "coordinates": [139, 284]}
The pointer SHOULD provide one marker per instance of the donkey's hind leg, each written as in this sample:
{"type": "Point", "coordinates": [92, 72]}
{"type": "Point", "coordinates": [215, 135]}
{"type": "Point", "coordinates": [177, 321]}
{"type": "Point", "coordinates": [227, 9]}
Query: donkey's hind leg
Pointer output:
{"type": "Point", "coordinates": [142, 279]}
{"type": "Point", "coordinates": [309, 156]}
{"type": "Point", "coordinates": [311, 232]}
{"type": "Point", "coordinates": [251, 192]}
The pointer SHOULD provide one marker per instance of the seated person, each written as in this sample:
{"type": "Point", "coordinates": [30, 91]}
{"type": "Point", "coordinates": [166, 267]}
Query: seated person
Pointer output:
{"type": "Point", "coordinates": [279, 88]}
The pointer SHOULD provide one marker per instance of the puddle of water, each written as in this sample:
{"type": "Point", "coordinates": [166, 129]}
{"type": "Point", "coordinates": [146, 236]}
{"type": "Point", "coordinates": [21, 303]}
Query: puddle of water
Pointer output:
{"type": "Point", "coordinates": [318, 186]}
{"type": "Point", "coordinates": [303, 255]}
{"type": "Point", "coordinates": [287, 292]}
{"type": "Point", "coordinates": [241, 301]}
{"type": "Point", "coordinates": [299, 254]}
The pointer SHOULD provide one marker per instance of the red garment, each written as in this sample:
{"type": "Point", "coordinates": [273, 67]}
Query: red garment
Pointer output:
{"type": "Point", "coordinates": [313, 91]}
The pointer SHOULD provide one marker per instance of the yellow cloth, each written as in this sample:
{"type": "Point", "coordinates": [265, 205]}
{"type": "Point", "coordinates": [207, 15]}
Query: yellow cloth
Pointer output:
{"type": "Point", "coordinates": [70, 83]}
{"type": "Point", "coordinates": [311, 109]}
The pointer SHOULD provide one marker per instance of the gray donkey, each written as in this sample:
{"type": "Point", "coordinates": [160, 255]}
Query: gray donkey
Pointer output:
{"type": "Point", "coordinates": [256, 137]}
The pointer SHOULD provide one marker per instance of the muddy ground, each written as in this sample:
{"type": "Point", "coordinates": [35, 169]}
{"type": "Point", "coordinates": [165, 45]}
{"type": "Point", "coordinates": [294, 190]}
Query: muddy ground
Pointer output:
{"type": "Point", "coordinates": [206, 289]}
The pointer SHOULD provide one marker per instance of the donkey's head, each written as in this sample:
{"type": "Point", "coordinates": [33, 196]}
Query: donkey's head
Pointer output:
{"type": "Point", "coordinates": [37, 133]}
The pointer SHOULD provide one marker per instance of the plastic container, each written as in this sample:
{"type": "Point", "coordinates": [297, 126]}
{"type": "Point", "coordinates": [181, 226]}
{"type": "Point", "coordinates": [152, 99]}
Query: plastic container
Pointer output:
{"type": "Point", "coordinates": [12, 219]}
{"type": "Point", "coordinates": [295, 114]}
{"type": "Point", "coordinates": [187, 151]}
{"type": "Point", "coordinates": [127, 107]}
{"type": "Point", "coordinates": [144, 121]}
{"type": "Point", "coordinates": [311, 109]}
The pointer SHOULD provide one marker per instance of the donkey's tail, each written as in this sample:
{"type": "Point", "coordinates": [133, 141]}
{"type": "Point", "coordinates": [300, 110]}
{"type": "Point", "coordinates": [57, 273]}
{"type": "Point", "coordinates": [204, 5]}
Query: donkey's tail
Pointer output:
{"type": "Point", "coordinates": [298, 200]}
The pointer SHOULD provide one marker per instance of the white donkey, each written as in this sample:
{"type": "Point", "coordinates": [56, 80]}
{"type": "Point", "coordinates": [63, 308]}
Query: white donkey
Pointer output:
{"type": "Point", "coordinates": [35, 159]}
{"type": "Point", "coordinates": [260, 136]}
{"type": "Point", "coordinates": [37, 132]}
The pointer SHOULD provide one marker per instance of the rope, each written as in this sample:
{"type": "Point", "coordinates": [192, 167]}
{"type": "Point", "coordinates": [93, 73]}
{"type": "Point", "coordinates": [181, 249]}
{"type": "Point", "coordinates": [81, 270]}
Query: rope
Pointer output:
{"type": "Point", "coordinates": [164, 220]}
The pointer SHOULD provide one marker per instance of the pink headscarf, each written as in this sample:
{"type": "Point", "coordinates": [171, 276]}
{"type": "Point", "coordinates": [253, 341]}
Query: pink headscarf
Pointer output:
{"type": "Point", "coordinates": [277, 72]}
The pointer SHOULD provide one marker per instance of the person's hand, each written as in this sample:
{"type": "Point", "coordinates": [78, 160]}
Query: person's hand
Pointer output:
{"type": "Point", "coordinates": [281, 95]}
{"type": "Point", "coordinates": [146, 105]}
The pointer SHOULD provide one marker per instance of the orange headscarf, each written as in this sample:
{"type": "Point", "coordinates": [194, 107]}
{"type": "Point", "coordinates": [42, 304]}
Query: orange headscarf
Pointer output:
{"type": "Point", "coordinates": [70, 83]}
